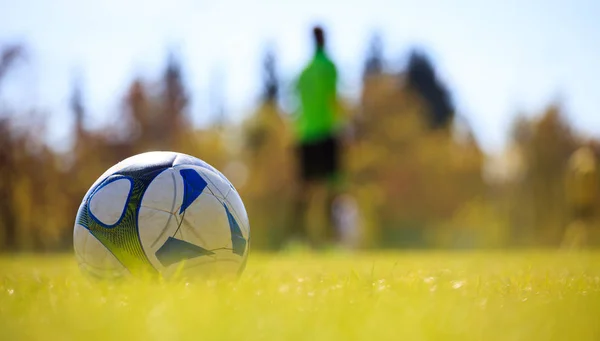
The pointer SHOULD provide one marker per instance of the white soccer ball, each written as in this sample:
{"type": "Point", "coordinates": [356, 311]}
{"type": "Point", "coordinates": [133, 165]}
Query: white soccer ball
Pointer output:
{"type": "Point", "coordinates": [161, 213]}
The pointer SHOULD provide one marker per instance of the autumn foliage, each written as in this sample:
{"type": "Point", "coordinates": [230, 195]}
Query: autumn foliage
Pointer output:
{"type": "Point", "coordinates": [411, 163]}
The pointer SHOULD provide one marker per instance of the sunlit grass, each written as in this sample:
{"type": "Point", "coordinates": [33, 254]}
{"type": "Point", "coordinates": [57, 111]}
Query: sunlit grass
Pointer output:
{"type": "Point", "coordinates": [391, 296]}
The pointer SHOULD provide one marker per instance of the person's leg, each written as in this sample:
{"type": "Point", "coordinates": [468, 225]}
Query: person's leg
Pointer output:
{"type": "Point", "coordinates": [298, 225]}
{"type": "Point", "coordinates": [312, 225]}
{"type": "Point", "coordinates": [315, 195]}
{"type": "Point", "coordinates": [334, 192]}
{"type": "Point", "coordinates": [317, 189]}
{"type": "Point", "coordinates": [332, 185]}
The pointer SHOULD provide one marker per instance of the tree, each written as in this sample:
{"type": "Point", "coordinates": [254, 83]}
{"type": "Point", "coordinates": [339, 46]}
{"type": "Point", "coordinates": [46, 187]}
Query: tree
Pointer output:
{"type": "Point", "coordinates": [175, 95]}
{"type": "Point", "coordinates": [374, 64]}
{"type": "Point", "coordinates": [7, 175]}
{"type": "Point", "coordinates": [78, 110]}
{"type": "Point", "coordinates": [545, 143]}
{"type": "Point", "coordinates": [422, 78]}
{"type": "Point", "coordinates": [136, 118]}
{"type": "Point", "coordinates": [8, 57]}
{"type": "Point", "coordinates": [267, 154]}
{"type": "Point", "coordinates": [8, 170]}
{"type": "Point", "coordinates": [270, 78]}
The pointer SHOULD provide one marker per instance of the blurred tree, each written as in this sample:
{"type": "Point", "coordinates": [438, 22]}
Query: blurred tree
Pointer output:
{"type": "Point", "coordinates": [545, 144]}
{"type": "Point", "coordinates": [270, 78]}
{"type": "Point", "coordinates": [8, 56]}
{"type": "Point", "coordinates": [175, 98]}
{"type": "Point", "coordinates": [422, 78]}
{"type": "Point", "coordinates": [581, 186]}
{"type": "Point", "coordinates": [269, 157]}
{"type": "Point", "coordinates": [374, 64]}
{"type": "Point", "coordinates": [157, 120]}
{"type": "Point", "coordinates": [136, 118]}
{"type": "Point", "coordinates": [418, 177]}
{"type": "Point", "coordinates": [78, 110]}
{"type": "Point", "coordinates": [7, 175]}
{"type": "Point", "coordinates": [260, 129]}
{"type": "Point", "coordinates": [8, 168]}
{"type": "Point", "coordinates": [415, 186]}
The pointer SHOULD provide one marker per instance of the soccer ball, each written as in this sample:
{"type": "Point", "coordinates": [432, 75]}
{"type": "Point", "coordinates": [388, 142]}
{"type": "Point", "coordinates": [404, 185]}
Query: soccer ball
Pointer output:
{"type": "Point", "coordinates": [161, 213]}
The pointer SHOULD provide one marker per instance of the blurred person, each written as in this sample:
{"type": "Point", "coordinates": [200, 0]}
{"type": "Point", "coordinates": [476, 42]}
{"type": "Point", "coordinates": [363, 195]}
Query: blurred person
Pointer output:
{"type": "Point", "coordinates": [317, 139]}
{"type": "Point", "coordinates": [346, 217]}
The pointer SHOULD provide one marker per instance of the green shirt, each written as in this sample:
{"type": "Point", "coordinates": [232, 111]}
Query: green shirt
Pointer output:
{"type": "Point", "coordinates": [317, 89]}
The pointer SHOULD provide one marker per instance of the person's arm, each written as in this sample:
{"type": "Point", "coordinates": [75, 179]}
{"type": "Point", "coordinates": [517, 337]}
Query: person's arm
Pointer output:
{"type": "Point", "coordinates": [297, 96]}
{"type": "Point", "coordinates": [335, 102]}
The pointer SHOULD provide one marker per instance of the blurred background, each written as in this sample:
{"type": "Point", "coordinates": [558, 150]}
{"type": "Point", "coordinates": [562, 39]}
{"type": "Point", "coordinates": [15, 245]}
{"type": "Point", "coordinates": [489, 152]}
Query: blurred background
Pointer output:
{"type": "Point", "coordinates": [468, 124]}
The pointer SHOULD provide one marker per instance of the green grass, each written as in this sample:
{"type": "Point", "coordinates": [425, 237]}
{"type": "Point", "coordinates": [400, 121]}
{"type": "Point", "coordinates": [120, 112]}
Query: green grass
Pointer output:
{"type": "Point", "coordinates": [390, 296]}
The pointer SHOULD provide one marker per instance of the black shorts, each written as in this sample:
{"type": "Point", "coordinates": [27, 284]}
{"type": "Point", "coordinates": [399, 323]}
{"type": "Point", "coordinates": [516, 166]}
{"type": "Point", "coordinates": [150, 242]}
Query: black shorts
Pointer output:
{"type": "Point", "coordinates": [320, 159]}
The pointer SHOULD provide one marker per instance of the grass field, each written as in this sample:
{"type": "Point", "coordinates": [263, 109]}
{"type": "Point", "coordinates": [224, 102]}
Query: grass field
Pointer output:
{"type": "Point", "coordinates": [388, 296]}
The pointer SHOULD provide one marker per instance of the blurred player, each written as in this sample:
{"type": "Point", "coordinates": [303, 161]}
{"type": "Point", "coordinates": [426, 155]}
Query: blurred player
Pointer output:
{"type": "Point", "coordinates": [316, 126]}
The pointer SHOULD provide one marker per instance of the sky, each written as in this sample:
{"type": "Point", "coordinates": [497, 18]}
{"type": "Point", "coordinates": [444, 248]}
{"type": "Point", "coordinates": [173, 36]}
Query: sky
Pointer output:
{"type": "Point", "coordinates": [498, 58]}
